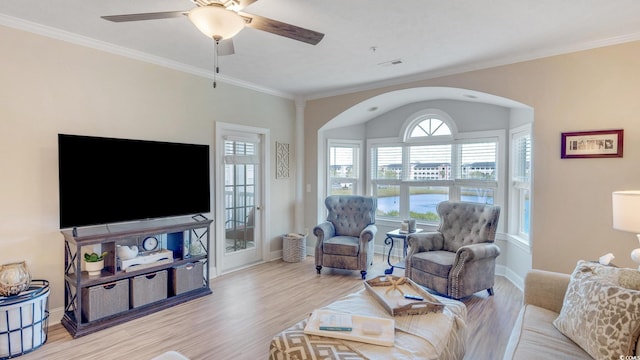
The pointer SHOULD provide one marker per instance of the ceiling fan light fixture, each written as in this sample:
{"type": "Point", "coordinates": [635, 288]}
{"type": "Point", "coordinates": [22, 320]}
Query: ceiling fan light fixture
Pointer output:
{"type": "Point", "coordinates": [216, 22]}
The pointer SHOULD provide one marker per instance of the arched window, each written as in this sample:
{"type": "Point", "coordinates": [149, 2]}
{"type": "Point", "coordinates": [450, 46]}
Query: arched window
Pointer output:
{"type": "Point", "coordinates": [430, 127]}
{"type": "Point", "coordinates": [432, 163]}
{"type": "Point", "coordinates": [428, 124]}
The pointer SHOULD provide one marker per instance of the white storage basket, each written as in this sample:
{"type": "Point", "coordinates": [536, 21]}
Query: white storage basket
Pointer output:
{"type": "Point", "coordinates": [294, 247]}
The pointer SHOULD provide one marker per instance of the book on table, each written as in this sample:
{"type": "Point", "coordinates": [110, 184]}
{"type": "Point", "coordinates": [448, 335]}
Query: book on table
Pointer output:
{"type": "Point", "coordinates": [367, 329]}
{"type": "Point", "coordinates": [335, 322]}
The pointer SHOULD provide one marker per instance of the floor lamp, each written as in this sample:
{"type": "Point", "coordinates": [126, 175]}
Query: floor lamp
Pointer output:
{"type": "Point", "coordinates": [626, 216]}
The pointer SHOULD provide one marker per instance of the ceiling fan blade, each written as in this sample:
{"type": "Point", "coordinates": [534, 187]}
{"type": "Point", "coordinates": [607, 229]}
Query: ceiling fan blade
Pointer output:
{"type": "Point", "coordinates": [225, 47]}
{"type": "Point", "coordinates": [284, 29]}
{"type": "Point", "coordinates": [145, 16]}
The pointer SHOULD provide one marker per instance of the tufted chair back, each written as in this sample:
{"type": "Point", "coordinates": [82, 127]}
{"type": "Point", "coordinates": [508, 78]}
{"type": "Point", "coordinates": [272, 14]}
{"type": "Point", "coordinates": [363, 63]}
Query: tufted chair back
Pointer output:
{"type": "Point", "coordinates": [349, 214]}
{"type": "Point", "coordinates": [465, 223]}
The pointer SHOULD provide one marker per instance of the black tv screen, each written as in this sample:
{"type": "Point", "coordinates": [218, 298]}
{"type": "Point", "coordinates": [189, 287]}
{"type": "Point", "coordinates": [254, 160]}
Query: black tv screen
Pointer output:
{"type": "Point", "coordinates": [108, 180]}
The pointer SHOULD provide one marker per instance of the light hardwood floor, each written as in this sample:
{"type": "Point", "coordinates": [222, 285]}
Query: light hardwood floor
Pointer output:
{"type": "Point", "coordinates": [248, 307]}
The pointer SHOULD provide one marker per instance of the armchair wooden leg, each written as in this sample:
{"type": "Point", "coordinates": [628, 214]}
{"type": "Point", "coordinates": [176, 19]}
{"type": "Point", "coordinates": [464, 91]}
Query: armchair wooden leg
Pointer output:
{"type": "Point", "coordinates": [490, 291]}
{"type": "Point", "coordinates": [364, 274]}
{"type": "Point", "coordinates": [318, 268]}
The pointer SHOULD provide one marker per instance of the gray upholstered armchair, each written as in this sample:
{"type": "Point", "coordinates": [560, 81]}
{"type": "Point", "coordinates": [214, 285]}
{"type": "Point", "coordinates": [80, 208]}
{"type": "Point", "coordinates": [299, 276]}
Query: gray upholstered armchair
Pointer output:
{"type": "Point", "coordinates": [460, 258]}
{"type": "Point", "coordinates": [345, 240]}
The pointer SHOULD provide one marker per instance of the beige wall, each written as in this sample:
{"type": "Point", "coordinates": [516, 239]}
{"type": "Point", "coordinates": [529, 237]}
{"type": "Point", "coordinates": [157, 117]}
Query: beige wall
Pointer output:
{"type": "Point", "coordinates": [588, 90]}
{"type": "Point", "coordinates": [49, 87]}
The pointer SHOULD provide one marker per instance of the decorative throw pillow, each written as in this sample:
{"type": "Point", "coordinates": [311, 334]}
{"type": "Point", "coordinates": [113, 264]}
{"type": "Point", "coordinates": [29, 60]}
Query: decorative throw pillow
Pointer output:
{"type": "Point", "coordinates": [598, 313]}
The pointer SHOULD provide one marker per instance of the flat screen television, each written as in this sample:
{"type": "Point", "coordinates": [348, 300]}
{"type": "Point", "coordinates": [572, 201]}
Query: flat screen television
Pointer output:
{"type": "Point", "coordinates": [109, 180]}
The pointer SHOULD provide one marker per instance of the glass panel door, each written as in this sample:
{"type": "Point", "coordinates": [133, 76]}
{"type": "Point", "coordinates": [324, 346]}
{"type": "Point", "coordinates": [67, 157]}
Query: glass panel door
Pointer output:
{"type": "Point", "coordinates": [239, 200]}
{"type": "Point", "coordinates": [241, 188]}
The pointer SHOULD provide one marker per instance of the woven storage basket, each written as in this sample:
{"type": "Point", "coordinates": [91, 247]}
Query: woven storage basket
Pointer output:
{"type": "Point", "coordinates": [105, 299]}
{"type": "Point", "coordinates": [148, 288]}
{"type": "Point", "coordinates": [294, 247]}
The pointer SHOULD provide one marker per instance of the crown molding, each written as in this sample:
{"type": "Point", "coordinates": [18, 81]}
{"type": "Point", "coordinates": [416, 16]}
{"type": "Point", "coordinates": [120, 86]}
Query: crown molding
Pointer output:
{"type": "Point", "coordinates": [160, 61]}
{"type": "Point", "coordinates": [76, 39]}
{"type": "Point", "coordinates": [534, 55]}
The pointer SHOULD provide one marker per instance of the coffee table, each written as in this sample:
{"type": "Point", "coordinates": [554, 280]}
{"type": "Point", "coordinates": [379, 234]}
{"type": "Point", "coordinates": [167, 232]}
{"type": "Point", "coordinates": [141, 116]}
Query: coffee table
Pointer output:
{"type": "Point", "coordinates": [430, 336]}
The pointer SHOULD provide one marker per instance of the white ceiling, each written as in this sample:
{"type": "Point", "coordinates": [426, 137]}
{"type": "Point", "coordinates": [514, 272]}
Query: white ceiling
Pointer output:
{"type": "Point", "coordinates": [431, 37]}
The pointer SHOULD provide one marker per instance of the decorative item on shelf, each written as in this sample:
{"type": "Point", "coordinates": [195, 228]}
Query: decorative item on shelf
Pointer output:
{"type": "Point", "coordinates": [411, 225]}
{"type": "Point", "coordinates": [606, 259]}
{"type": "Point", "coordinates": [146, 260]}
{"type": "Point", "coordinates": [626, 207]}
{"type": "Point", "coordinates": [404, 227]}
{"type": "Point", "coordinates": [150, 243]}
{"type": "Point", "coordinates": [196, 248]}
{"type": "Point", "coordinates": [94, 263]}
{"type": "Point", "coordinates": [126, 252]}
{"type": "Point", "coordinates": [14, 278]}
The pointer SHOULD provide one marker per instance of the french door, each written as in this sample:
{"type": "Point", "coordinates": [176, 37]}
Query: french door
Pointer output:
{"type": "Point", "coordinates": [239, 219]}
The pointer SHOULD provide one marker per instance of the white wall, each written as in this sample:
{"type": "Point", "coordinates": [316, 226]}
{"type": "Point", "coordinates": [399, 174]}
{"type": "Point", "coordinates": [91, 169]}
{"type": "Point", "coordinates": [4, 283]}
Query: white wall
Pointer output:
{"type": "Point", "coordinates": [49, 87]}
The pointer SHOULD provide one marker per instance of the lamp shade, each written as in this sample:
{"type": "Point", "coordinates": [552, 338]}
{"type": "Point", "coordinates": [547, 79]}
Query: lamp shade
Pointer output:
{"type": "Point", "coordinates": [626, 211]}
{"type": "Point", "coordinates": [216, 22]}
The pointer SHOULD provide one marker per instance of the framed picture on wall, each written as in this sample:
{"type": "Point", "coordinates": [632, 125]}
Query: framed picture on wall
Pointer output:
{"type": "Point", "coordinates": [592, 144]}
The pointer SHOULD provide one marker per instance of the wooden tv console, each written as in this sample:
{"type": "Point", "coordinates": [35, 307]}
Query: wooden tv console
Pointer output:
{"type": "Point", "coordinates": [93, 303]}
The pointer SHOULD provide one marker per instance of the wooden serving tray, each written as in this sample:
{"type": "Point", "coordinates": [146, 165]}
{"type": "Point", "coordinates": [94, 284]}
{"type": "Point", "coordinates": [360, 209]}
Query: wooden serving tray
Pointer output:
{"type": "Point", "coordinates": [381, 288]}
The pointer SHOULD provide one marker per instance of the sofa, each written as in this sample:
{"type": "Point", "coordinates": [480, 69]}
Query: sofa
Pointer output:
{"type": "Point", "coordinates": [565, 316]}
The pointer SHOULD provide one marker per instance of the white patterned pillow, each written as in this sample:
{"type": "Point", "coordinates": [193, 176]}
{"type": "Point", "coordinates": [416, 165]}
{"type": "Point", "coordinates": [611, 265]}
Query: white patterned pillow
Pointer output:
{"type": "Point", "coordinates": [599, 314]}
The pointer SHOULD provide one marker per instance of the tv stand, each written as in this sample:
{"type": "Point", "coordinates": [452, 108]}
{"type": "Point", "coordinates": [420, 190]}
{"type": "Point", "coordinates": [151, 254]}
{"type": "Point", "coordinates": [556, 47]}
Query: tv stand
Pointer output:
{"type": "Point", "coordinates": [117, 295]}
{"type": "Point", "coordinates": [199, 217]}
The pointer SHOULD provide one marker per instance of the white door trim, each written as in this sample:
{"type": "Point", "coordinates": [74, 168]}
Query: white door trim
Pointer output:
{"type": "Point", "coordinates": [265, 196]}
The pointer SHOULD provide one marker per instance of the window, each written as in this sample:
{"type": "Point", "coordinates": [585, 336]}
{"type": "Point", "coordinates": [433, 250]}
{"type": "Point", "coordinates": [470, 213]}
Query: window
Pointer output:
{"type": "Point", "coordinates": [430, 127]}
{"type": "Point", "coordinates": [521, 182]}
{"type": "Point", "coordinates": [411, 178]}
{"type": "Point", "coordinates": [343, 168]}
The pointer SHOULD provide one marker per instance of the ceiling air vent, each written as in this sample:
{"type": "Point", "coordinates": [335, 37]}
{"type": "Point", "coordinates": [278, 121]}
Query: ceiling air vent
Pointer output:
{"type": "Point", "coordinates": [391, 62]}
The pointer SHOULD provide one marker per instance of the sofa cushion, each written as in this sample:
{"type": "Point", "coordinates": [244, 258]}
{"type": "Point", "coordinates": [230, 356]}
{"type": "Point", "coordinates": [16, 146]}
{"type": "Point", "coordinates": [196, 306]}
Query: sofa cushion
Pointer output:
{"type": "Point", "coordinates": [535, 337]}
{"type": "Point", "coordinates": [599, 314]}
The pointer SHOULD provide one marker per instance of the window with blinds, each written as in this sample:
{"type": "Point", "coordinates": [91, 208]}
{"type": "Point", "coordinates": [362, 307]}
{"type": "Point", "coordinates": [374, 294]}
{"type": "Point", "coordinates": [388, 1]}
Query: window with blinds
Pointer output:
{"type": "Point", "coordinates": [521, 181]}
{"type": "Point", "coordinates": [522, 155]}
{"type": "Point", "coordinates": [410, 179]}
{"type": "Point", "coordinates": [240, 152]}
{"type": "Point", "coordinates": [477, 161]}
{"type": "Point", "coordinates": [343, 168]}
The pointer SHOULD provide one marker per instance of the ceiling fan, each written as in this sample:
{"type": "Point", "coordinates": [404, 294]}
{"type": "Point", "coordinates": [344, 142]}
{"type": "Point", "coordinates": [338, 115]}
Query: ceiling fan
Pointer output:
{"type": "Point", "coordinates": [222, 19]}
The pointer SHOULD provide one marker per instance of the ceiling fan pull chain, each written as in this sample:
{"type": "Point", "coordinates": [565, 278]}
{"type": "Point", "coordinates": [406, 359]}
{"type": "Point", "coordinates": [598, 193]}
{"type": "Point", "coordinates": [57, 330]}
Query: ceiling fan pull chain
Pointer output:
{"type": "Point", "coordinates": [215, 61]}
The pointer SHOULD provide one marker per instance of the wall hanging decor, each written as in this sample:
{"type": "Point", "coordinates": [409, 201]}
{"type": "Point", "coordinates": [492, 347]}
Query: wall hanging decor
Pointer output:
{"type": "Point", "coordinates": [592, 144]}
{"type": "Point", "coordinates": [282, 160]}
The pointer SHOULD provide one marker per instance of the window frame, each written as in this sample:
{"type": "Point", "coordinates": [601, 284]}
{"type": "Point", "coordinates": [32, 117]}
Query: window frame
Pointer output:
{"type": "Point", "coordinates": [518, 187]}
{"type": "Point", "coordinates": [454, 184]}
{"type": "Point", "coordinates": [356, 180]}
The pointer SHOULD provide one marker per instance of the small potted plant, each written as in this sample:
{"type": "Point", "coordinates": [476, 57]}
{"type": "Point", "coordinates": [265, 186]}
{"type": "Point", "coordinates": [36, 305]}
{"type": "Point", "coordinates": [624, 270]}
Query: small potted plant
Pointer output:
{"type": "Point", "coordinates": [94, 262]}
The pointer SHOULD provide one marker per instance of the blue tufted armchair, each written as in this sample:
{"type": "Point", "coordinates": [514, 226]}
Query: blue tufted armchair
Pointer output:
{"type": "Point", "coordinates": [460, 258]}
{"type": "Point", "coordinates": [345, 240]}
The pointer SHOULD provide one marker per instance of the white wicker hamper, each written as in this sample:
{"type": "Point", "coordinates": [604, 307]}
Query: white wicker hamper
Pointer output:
{"type": "Point", "coordinates": [294, 247]}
